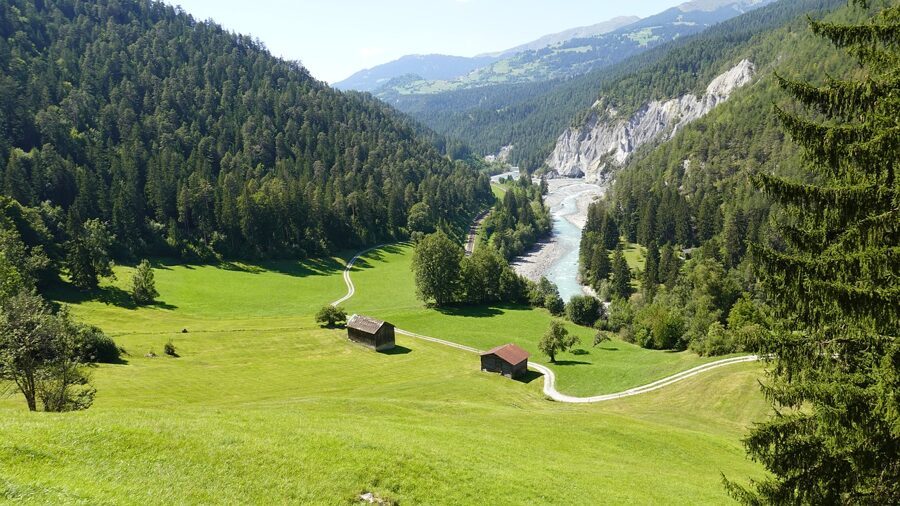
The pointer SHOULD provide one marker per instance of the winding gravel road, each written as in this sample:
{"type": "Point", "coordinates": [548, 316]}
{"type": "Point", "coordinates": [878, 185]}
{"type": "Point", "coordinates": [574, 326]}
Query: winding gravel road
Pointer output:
{"type": "Point", "coordinates": [549, 376]}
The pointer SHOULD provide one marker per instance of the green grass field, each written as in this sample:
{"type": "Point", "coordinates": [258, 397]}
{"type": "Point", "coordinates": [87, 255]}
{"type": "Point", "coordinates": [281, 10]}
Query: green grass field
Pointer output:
{"type": "Point", "coordinates": [611, 367]}
{"type": "Point", "coordinates": [265, 407]}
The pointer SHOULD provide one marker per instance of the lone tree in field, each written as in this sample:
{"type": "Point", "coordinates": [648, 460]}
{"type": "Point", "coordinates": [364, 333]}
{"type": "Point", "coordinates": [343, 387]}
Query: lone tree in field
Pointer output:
{"type": "Point", "coordinates": [331, 316]}
{"type": "Point", "coordinates": [143, 287]}
{"type": "Point", "coordinates": [835, 284]}
{"type": "Point", "coordinates": [39, 354]}
{"type": "Point", "coordinates": [436, 263]}
{"type": "Point", "coordinates": [557, 340]}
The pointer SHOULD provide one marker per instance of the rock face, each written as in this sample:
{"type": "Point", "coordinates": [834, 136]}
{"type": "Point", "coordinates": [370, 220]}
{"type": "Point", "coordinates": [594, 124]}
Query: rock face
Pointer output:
{"type": "Point", "coordinates": [605, 141]}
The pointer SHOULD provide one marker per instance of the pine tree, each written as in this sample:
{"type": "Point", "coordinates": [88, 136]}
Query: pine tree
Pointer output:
{"type": "Point", "coordinates": [734, 238]}
{"type": "Point", "coordinates": [835, 374]}
{"type": "Point", "coordinates": [621, 275]}
{"type": "Point", "coordinates": [143, 286]}
{"type": "Point", "coordinates": [601, 267]}
{"type": "Point", "coordinates": [651, 271]}
{"type": "Point", "coordinates": [669, 266]}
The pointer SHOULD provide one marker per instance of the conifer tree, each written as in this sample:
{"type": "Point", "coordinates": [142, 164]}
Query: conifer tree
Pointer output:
{"type": "Point", "coordinates": [834, 380]}
{"type": "Point", "coordinates": [601, 266]}
{"type": "Point", "coordinates": [621, 275]}
{"type": "Point", "coordinates": [669, 266]}
{"type": "Point", "coordinates": [651, 271]}
{"type": "Point", "coordinates": [143, 286]}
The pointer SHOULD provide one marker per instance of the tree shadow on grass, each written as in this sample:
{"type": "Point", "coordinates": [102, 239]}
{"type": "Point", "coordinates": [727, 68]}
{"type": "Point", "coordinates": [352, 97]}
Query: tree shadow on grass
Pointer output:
{"type": "Point", "coordinates": [469, 311]}
{"type": "Point", "coordinates": [528, 376]}
{"type": "Point", "coordinates": [296, 268]}
{"type": "Point", "coordinates": [109, 295]}
{"type": "Point", "coordinates": [397, 350]}
{"type": "Point", "coordinates": [604, 348]}
{"type": "Point", "coordinates": [580, 352]}
{"type": "Point", "coordinates": [376, 255]}
{"type": "Point", "coordinates": [571, 362]}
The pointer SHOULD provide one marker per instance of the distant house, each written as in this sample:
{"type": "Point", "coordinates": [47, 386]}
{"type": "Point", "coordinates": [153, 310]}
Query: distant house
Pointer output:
{"type": "Point", "coordinates": [508, 360]}
{"type": "Point", "coordinates": [370, 332]}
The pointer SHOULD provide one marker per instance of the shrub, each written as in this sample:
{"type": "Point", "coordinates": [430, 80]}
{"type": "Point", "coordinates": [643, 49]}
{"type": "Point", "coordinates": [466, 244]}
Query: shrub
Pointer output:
{"type": "Point", "coordinates": [169, 349]}
{"type": "Point", "coordinates": [95, 346]}
{"type": "Point", "coordinates": [659, 327]}
{"type": "Point", "coordinates": [601, 337]}
{"type": "Point", "coordinates": [583, 310]}
{"type": "Point", "coordinates": [620, 315]}
{"type": "Point", "coordinates": [554, 303]}
{"type": "Point", "coordinates": [331, 316]}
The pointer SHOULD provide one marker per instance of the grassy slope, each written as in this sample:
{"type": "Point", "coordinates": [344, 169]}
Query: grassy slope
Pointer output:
{"type": "Point", "coordinates": [263, 406]}
{"type": "Point", "coordinates": [611, 367]}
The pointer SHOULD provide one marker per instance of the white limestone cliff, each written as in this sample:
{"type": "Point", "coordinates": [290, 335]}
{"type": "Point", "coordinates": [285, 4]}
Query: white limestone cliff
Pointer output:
{"type": "Point", "coordinates": [605, 141]}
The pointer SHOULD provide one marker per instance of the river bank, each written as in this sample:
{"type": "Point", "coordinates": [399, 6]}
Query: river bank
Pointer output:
{"type": "Point", "coordinates": [557, 257]}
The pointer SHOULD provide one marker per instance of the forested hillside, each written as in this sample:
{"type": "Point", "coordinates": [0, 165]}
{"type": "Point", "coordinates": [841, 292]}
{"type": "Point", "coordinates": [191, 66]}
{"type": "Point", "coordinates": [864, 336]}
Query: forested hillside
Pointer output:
{"type": "Point", "coordinates": [692, 204]}
{"type": "Point", "coordinates": [532, 116]}
{"type": "Point", "coordinates": [186, 139]}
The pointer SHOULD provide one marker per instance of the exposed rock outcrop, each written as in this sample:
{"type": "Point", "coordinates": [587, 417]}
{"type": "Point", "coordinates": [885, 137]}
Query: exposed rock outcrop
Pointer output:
{"type": "Point", "coordinates": [605, 141]}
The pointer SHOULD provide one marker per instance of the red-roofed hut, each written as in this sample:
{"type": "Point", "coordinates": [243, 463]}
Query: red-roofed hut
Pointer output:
{"type": "Point", "coordinates": [508, 360]}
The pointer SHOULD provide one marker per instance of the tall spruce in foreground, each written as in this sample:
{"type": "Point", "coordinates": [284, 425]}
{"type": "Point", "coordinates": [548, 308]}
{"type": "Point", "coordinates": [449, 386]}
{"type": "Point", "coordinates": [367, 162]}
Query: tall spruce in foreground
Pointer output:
{"type": "Point", "coordinates": [834, 381]}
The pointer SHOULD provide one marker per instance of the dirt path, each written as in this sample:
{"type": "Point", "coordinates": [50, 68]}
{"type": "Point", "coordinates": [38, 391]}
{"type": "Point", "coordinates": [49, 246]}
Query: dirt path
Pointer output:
{"type": "Point", "coordinates": [549, 376]}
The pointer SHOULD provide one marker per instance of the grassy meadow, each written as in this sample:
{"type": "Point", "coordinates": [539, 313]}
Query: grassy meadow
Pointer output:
{"type": "Point", "coordinates": [263, 406]}
{"type": "Point", "coordinates": [384, 284]}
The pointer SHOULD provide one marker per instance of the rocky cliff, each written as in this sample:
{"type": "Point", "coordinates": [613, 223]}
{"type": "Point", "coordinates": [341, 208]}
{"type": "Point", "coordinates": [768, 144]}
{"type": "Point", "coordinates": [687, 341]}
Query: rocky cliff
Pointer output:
{"type": "Point", "coordinates": [606, 139]}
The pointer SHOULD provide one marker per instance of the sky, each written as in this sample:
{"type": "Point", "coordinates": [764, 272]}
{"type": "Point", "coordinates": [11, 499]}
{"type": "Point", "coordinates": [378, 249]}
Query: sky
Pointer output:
{"type": "Point", "coordinates": [335, 38]}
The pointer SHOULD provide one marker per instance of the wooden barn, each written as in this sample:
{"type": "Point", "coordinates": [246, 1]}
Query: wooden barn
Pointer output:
{"type": "Point", "coordinates": [370, 332]}
{"type": "Point", "coordinates": [508, 360]}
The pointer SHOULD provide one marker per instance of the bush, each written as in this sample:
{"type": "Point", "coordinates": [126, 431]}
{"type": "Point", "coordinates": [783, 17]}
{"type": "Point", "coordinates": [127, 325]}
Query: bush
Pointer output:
{"type": "Point", "coordinates": [554, 303]}
{"type": "Point", "coordinates": [620, 315]}
{"type": "Point", "coordinates": [95, 346]}
{"type": "Point", "coordinates": [331, 316]}
{"type": "Point", "coordinates": [601, 337]}
{"type": "Point", "coordinates": [659, 327]}
{"type": "Point", "coordinates": [717, 341]}
{"type": "Point", "coordinates": [583, 310]}
{"type": "Point", "coordinates": [604, 292]}
{"type": "Point", "coordinates": [169, 349]}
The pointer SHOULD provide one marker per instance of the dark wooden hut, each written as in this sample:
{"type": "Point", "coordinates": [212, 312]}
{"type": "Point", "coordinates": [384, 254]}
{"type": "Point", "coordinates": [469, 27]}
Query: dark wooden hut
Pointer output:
{"type": "Point", "coordinates": [370, 332]}
{"type": "Point", "coordinates": [508, 360]}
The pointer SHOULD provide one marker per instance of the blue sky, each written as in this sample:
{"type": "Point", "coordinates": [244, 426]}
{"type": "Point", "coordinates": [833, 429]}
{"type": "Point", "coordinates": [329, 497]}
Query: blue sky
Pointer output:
{"type": "Point", "coordinates": [335, 38]}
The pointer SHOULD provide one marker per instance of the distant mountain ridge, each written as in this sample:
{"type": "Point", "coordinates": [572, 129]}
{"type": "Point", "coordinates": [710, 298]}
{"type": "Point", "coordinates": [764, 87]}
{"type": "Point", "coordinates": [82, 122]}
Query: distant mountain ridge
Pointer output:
{"type": "Point", "coordinates": [579, 56]}
{"type": "Point", "coordinates": [427, 67]}
{"type": "Point", "coordinates": [434, 67]}
{"type": "Point", "coordinates": [567, 35]}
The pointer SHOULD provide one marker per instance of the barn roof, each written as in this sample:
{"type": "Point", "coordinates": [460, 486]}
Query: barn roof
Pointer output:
{"type": "Point", "coordinates": [509, 352]}
{"type": "Point", "coordinates": [365, 324]}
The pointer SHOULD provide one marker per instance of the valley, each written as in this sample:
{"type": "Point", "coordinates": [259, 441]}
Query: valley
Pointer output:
{"type": "Point", "coordinates": [647, 254]}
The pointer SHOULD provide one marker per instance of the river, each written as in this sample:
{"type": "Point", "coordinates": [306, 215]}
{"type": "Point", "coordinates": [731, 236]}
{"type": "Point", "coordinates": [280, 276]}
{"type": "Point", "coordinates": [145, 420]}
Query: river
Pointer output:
{"type": "Point", "coordinates": [557, 257]}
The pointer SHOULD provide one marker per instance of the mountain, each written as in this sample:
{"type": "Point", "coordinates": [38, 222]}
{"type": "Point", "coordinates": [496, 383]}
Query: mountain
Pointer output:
{"type": "Point", "coordinates": [573, 33]}
{"type": "Point", "coordinates": [532, 116]}
{"type": "Point", "coordinates": [607, 139]}
{"type": "Point", "coordinates": [188, 140]}
{"type": "Point", "coordinates": [681, 166]}
{"type": "Point", "coordinates": [581, 55]}
{"type": "Point", "coordinates": [425, 67]}
{"type": "Point", "coordinates": [437, 67]}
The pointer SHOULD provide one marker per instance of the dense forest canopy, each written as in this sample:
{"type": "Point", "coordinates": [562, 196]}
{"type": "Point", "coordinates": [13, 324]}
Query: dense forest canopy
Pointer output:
{"type": "Point", "coordinates": [187, 139]}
